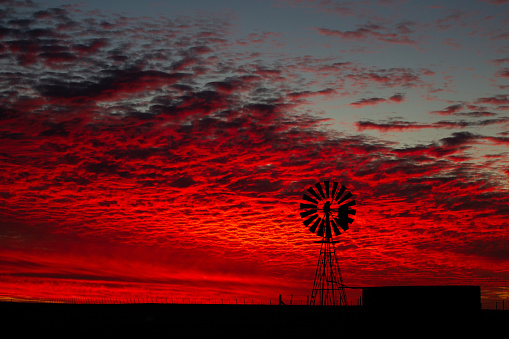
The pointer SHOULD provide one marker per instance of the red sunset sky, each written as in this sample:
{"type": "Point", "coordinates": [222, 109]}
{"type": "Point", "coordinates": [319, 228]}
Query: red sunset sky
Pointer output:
{"type": "Point", "coordinates": [162, 150]}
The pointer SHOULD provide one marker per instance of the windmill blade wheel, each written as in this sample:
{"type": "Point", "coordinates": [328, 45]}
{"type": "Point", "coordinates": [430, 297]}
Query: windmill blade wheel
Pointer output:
{"type": "Point", "coordinates": [326, 209]}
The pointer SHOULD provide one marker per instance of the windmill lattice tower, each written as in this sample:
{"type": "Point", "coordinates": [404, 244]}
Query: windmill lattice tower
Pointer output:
{"type": "Point", "coordinates": [326, 210]}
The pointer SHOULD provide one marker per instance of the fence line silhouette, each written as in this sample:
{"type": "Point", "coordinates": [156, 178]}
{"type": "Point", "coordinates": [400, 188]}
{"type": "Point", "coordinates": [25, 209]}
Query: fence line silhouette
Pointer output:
{"type": "Point", "coordinates": [167, 300]}
{"type": "Point", "coordinates": [149, 300]}
{"type": "Point", "coordinates": [159, 300]}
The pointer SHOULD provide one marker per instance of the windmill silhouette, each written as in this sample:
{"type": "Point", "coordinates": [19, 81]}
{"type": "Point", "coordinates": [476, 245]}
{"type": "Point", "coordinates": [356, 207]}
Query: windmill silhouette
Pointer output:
{"type": "Point", "coordinates": [326, 210]}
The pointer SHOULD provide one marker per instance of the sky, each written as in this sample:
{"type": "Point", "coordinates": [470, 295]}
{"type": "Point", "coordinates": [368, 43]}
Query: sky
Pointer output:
{"type": "Point", "coordinates": [162, 148]}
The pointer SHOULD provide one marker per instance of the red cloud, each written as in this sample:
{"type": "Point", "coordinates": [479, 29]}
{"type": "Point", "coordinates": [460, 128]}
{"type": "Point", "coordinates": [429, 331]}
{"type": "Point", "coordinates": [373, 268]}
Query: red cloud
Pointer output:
{"type": "Point", "coordinates": [496, 2]}
{"type": "Point", "coordinates": [500, 61]}
{"type": "Point", "coordinates": [399, 36]}
{"type": "Point", "coordinates": [396, 125]}
{"type": "Point", "coordinates": [502, 99]}
{"type": "Point", "coordinates": [91, 47]}
{"type": "Point", "coordinates": [392, 77]}
{"type": "Point", "coordinates": [367, 102]}
{"type": "Point", "coordinates": [449, 146]}
{"type": "Point", "coordinates": [360, 33]}
{"type": "Point", "coordinates": [503, 73]}
{"type": "Point", "coordinates": [115, 85]}
{"type": "Point", "coordinates": [498, 140]}
{"type": "Point", "coordinates": [308, 94]}
{"type": "Point", "coordinates": [397, 98]}
{"type": "Point", "coordinates": [449, 110]}
{"type": "Point", "coordinates": [390, 126]}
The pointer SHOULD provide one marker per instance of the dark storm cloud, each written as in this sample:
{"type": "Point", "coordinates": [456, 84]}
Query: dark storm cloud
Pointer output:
{"type": "Point", "coordinates": [107, 87]}
{"type": "Point", "coordinates": [458, 139]}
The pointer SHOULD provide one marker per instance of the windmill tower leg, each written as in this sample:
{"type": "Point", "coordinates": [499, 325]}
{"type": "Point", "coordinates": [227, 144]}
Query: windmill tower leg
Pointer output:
{"type": "Point", "coordinates": [328, 288]}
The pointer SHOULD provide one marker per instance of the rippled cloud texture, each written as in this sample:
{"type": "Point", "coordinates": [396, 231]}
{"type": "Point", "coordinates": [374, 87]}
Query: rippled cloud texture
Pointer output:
{"type": "Point", "coordinates": [167, 156]}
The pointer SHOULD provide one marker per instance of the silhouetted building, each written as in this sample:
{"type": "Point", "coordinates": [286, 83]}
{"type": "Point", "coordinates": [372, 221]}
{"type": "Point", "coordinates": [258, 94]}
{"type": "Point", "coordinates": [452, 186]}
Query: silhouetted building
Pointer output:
{"type": "Point", "coordinates": [434, 299]}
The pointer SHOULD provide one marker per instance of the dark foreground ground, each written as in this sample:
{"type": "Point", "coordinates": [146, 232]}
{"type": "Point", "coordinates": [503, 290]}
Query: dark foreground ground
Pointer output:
{"type": "Point", "coordinates": [240, 321]}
